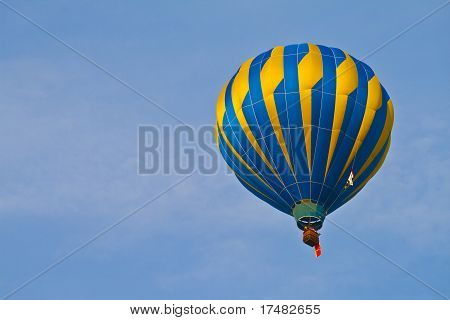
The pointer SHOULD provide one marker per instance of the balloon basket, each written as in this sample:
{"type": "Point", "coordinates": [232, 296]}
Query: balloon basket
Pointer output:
{"type": "Point", "coordinates": [310, 237]}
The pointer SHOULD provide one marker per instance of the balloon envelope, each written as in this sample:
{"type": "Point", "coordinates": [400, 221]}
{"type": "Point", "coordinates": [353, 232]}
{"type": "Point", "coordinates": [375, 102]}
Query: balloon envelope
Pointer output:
{"type": "Point", "coordinates": [304, 128]}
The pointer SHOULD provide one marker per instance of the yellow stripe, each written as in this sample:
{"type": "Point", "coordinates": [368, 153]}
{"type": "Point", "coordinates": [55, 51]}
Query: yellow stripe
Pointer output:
{"type": "Point", "coordinates": [240, 87]}
{"type": "Point", "coordinates": [237, 155]}
{"type": "Point", "coordinates": [378, 166]}
{"type": "Point", "coordinates": [271, 76]}
{"type": "Point", "coordinates": [239, 90]}
{"type": "Point", "coordinates": [373, 103]}
{"type": "Point", "coordinates": [310, 72]}
{"type": "Point", "coordinates": [216, 134]}
{"type": "Point", "coordinates": [346, 83]}
{"type": "Point", "coordinates": [385, 134]}
{"type": "Point", "coordinates": [220, 105]}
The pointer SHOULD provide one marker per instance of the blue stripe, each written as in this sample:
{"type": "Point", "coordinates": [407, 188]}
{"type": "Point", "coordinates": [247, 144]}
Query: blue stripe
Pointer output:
{"type": "Point", "coordinates": [373, 135]}
{"type": "Point", "coordinates": [240, 143]}
{"type": "Point", "coordinates": [351, 131]}
{"type": "Point", "coordinates": [325, 122]}
{"type": "Point", "coordinates": [282, 207]}
{"type": "Point", "coordinates": [251, 179]}
{"type": "Point", "coordinates": [262, 130]}
{"type": "Point", "coordinates": [341, 200]}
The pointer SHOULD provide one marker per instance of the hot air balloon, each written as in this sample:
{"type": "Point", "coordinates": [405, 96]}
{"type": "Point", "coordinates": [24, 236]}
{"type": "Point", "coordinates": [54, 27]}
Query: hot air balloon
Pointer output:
{"type": "Point", "coordinates": [304, 128]}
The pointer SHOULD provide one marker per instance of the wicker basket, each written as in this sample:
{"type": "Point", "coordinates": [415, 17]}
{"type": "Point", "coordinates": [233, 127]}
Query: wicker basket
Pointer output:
{"type": "Point", "coordinates": [310, 237]}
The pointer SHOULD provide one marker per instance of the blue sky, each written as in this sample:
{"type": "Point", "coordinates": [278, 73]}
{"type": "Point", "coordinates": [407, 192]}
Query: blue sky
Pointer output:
{"type": "Point", "coordinates": [69, 154]}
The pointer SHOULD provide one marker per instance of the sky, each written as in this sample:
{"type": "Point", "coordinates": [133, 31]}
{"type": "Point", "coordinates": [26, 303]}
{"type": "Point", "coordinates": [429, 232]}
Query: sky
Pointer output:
{"type": "Point", "coordinates": [69, 154]}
